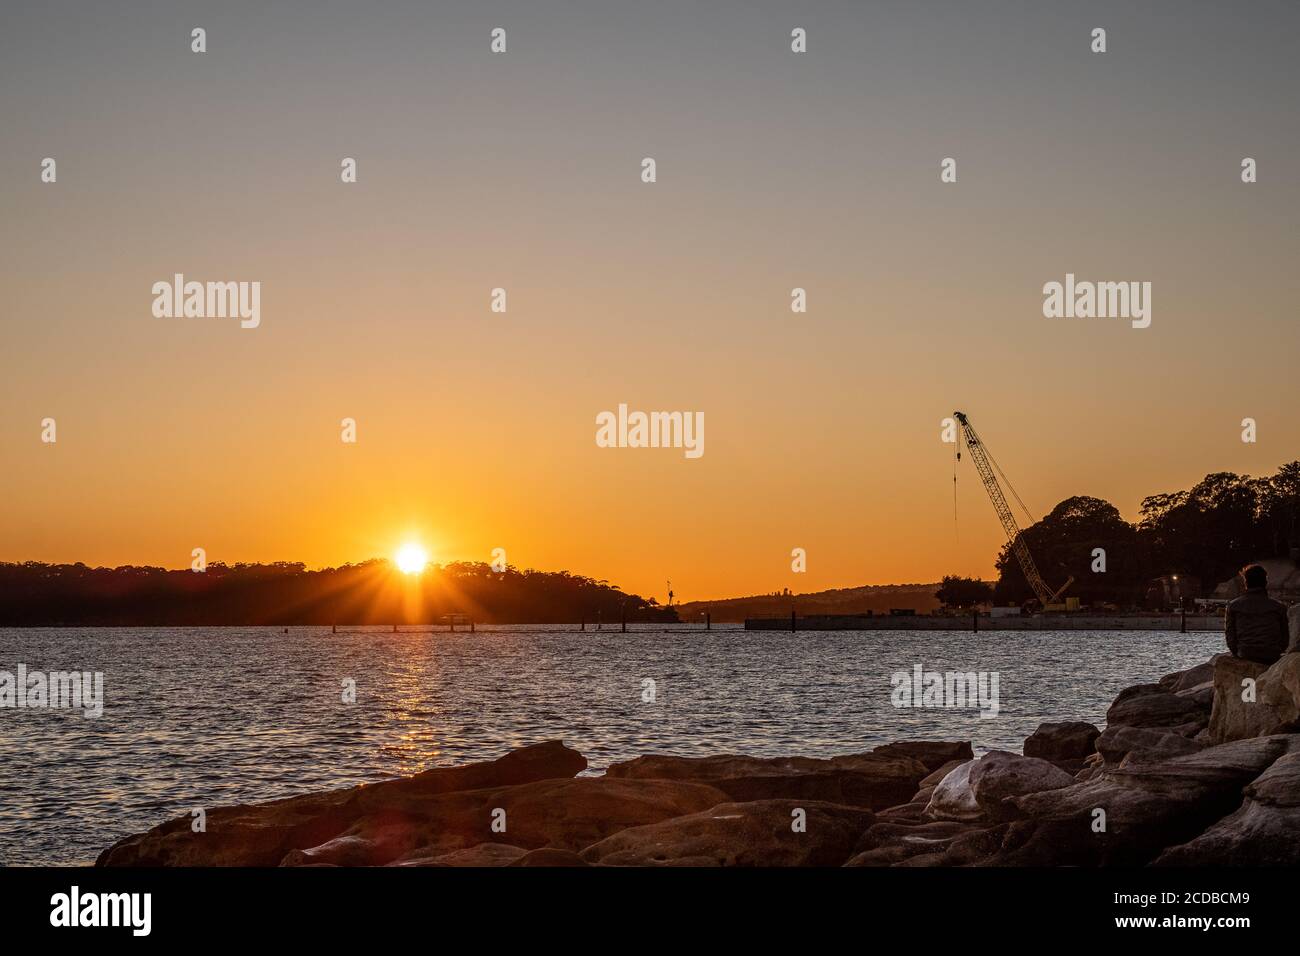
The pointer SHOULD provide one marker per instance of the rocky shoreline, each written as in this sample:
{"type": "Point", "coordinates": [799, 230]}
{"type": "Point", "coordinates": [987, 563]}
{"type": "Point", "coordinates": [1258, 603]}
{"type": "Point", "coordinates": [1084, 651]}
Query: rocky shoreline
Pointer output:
{"type": "Point", "coordinates": [1200, 768]}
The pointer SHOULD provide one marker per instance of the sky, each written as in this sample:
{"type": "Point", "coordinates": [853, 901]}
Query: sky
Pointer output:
{"type": "Point", "coordinates": [522, 170]}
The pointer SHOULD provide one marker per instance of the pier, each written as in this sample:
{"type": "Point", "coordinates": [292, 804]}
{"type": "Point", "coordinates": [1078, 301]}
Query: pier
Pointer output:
{"type": "Point", "coordinates": [1034, 622]}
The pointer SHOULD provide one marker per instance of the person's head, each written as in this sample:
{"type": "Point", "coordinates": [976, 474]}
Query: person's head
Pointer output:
{"type": "Point", "coordinates": [1256, 577]}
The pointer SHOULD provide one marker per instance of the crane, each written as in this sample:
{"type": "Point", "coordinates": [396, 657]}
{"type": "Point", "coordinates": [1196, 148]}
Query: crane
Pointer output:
{"type": "Point", "coordinates": [985, 464]}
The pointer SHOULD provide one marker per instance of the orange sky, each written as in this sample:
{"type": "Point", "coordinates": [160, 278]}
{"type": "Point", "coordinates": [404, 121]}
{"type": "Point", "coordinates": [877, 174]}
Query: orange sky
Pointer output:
{"type": "Point", "coordinates": [476, 431]}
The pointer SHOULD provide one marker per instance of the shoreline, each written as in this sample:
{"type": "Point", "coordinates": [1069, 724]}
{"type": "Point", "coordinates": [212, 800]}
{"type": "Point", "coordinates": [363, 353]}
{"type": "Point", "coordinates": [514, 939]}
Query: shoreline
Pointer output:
{"type": "Point", "coordinates": [1185, 773]}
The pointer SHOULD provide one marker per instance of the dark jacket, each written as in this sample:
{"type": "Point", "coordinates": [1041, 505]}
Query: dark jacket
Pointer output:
{"type": "Point", "coordinates": [1256, 627]}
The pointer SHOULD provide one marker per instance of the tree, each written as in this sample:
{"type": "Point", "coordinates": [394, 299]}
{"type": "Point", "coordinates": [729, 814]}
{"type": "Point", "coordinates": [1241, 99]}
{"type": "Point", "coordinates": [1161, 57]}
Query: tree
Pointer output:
{"type": "Point", "coordinates": [1067, 543]}
{"type": "Point", "coordinates": [1279, 509]}
{"type": "Point", "coordinates": [1213, 529]}
{"type": "Point", "coordinates": [287, 593]}
{"type": "Point", "coordinates": [959, 592]}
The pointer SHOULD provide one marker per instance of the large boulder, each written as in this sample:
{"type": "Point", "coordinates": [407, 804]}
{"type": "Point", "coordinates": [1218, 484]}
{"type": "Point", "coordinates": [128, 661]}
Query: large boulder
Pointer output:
{"type": "Point", "coordinates": [1065, 741]}
{"type": "Point", "coordinates": [1264, 830]}
{"type": "Point", "coordinates": [933, 753]}
{"type": "Point", "coordinates": [889, 843]}
{"type": "Point", "coordinates": [562, 814]}
{"type": "Point", "coordinates": [481, 854]}
{"type": "Point", "coordinates": [953, 797]}
{"type": "Point", "coordinates": [933, 779]}
{"type": "Point", "coordinates": [757, 833]}
{"type": "Point", "coordinates": [1150, 705]}
{"type": "Point", "coordinates": [1202, 673]}
{"type": "Point", "coordinates": [872, 780]}
{"type": "Point", "coordinates": [1119, 744]}
{"type": "Point", "coordinates": [1129, 815]}
{"type": "Point", "coordinates": [1251, 699]}
{"type": "Point", "coordinates": [261, 834]}
{"type": "Point", "coordinates": [979, 790]}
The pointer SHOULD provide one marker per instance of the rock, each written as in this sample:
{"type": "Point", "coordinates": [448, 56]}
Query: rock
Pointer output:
{"type": "Point", "coordinates": [1276, 703]}
{"type": "Point", "coordinates": [953, 798]}
{"type": "Point", "coordinates": [975, 845]}
{"type": "Point", "coordinates": [887, 842]}
{"type": "Point", "coordinates": [999, 775]}
{"type": "Point", "coordinates": [933, 779]}
{"type": "Point", "coordinates": [262, 834]}
{"type": "Point", "coordinates": [905, 812]}
{"type": "Point", "coordinates": [1091, 767]}
{"type": "Point", "coordinates": [341, 851]}
{"type": "Point", "coordinates": [1147, 806]}
{"type": "Point", "coordinates": [1143, 743]}
{"type": "Point", "coordinates": [550, 856]}
{"type": "Point", "coordinates": [1150, 705]}
{"type": "Point", "coordinates": [564, 814]}
{"type": "Point", "coordinates": [1069, 740]}
{"type": "Point", "coordinates": [979, 789]}
{"type": "Point", "coordinates": [1202, 695]}
{"type": "Point", "coordinates": [870, 780]}
{"type": "Point", "coordinates": [755, 833]}
{"type": "Point", "coordinates": [884, 856]}
{"type": "Point", "coordinates": [481, 854]}
{"type": "Point", "coordinates": [1263, 831]}
{"type": "Point", "coordinates": [1072, 767]}
{"type": "Point", "coordinates": [933, 753]}
{"type": "Point", "coordinates": [1223, 769]}
{"type": "Point", "coordinates": [1192, 677]}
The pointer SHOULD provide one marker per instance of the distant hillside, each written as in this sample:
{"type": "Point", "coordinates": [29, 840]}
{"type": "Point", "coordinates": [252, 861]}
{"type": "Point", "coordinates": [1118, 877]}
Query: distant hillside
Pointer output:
{"type": "Point", "coordinates": [878, 598]}
{"type": "Point", "coordinates": [372, 592]}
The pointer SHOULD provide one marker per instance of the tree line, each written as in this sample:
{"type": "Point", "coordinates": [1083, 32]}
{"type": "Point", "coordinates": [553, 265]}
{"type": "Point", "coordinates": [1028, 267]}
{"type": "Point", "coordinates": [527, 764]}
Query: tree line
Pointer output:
{"type": "Point", "coordinates": [1204, 534]}
{"type": "Point", "coordinates": [286, 593]}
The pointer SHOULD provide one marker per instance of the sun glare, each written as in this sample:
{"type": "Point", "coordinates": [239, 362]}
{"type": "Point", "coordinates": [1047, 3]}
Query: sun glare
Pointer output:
{"type": "Point", "coordinates": [411, 558]}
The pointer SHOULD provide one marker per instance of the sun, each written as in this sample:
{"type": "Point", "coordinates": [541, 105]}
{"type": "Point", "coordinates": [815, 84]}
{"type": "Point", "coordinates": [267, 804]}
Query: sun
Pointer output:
{"type": "Point", "coordinates": [411, 558]}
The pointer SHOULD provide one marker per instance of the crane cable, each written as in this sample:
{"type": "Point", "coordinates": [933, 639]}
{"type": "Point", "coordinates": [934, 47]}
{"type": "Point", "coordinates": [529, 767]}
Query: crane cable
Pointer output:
{"type": "Point", "coordinates": [956, 458]}
{"type": "Point", "coordinates": [1010, 487]}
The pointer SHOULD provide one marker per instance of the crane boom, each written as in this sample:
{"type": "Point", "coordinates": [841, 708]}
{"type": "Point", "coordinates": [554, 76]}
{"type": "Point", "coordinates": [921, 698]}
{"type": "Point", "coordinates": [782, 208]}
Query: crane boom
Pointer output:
{"type": "Point", "coordinates": [978, 454]}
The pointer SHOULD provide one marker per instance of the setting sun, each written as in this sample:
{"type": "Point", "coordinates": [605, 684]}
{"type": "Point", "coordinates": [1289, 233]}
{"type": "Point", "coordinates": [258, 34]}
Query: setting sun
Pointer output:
{"type": "Point", "coordinates": [411, 558]}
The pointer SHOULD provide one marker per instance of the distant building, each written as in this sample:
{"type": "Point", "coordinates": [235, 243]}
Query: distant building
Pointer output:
{"type": "Point", "coordinates": [1172, 590]}
{"type": "Point", "coordinates": [1283, 582]}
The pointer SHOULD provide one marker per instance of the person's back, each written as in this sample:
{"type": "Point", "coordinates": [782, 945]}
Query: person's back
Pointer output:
{"type": "Point", "coordinates": [1256, 626]}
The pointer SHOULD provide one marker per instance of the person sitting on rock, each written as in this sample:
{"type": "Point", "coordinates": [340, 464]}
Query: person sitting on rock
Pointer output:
{"type": "Point", "coordinates": [1256, 624]}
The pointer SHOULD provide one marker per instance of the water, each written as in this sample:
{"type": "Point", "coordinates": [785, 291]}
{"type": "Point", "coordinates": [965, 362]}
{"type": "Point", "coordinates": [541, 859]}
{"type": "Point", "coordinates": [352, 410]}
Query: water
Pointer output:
{"type": "Point", "coordinates": [199, 717]}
